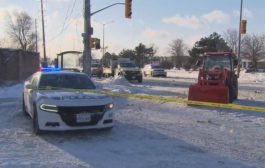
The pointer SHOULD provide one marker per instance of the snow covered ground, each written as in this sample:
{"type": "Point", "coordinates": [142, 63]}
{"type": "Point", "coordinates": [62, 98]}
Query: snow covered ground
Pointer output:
{"type": "Point", "coordinates": [146, 134]}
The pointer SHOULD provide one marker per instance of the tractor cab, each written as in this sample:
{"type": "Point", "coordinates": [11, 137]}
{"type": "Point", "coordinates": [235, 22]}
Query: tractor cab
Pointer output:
{"type": "Point", "coordinates": [217, 62]}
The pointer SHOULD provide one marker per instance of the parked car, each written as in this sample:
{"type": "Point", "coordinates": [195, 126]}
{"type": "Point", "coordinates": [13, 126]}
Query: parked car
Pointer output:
{"type": "Point", "coordinates": [96, 69]}
{"type": "Point", "coordinates": [59, 100]}
{"type": "Point", "coordinates": [129, 70]}
{"type": "Point", "coordinates": [107, 72]}
{"type": "Point", "coordinates": [154, 70]}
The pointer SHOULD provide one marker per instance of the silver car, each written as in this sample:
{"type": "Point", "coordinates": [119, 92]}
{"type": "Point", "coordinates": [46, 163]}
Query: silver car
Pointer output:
{"type": "Point", "coordinates": [154, 70]}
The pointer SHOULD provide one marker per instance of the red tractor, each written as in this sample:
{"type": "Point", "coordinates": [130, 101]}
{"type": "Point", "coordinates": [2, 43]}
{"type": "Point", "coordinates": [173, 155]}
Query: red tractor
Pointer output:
{"type": "Point", "coordinates": [217, 81]}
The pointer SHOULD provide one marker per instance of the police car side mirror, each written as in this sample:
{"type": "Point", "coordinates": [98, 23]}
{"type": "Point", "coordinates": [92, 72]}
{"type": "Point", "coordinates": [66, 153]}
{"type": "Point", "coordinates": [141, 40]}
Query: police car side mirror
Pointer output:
{"type": "Point", "coordinates": [29, 86]}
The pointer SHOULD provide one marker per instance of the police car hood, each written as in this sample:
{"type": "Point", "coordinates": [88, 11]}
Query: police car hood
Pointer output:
{"type": "Point", "coordinates": [70, 98]}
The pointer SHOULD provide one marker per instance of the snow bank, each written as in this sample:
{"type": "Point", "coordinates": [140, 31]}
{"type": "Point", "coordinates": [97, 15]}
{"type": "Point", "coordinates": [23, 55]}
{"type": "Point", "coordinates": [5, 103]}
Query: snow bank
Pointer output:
{"type": "Point", "coordinates": [182, 74]}
{"type": "Point", "coordinates": [252, 77]}
{"type": "Point", "coordinates": [14, 91]}
{"type": "Point", "coordinates": [117, 80]}
{"type": "Point", "coordinates": [117, 84]}
{"type": "Point", "coordinates": [244, 77]}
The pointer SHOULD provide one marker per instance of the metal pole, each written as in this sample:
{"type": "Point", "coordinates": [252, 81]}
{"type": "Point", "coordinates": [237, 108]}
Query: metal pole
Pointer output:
{"type": "Point", "coordinates": [239, 39]}
{"type": "Point", "coordinates": [36, 31]}
{"type": "Point", "coordinates": [43, 35]}
{"type": "Point", "coordinates": [86, 38]}
{"type": "Point", "coordinates": [103, 40]}
{"type": "Point", "coordinates": [103, 43]}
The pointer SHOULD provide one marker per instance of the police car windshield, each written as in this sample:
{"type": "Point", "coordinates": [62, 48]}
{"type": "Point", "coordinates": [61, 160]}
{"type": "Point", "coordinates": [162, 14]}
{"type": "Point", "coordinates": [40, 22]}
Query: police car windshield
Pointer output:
{"type": "Point", "coordinates": [128, 65]}
{"type": "Point", "coordinates": [73, 81]}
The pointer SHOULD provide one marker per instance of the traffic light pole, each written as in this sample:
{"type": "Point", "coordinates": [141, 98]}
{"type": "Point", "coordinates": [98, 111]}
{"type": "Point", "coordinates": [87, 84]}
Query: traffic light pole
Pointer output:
{"type": "Point", "coordinates": [43, 36]}
{"type": "Point", "coordinates": [103, 40]}
{"type": "Point", "coordinates": [88, 31]}
{"type": "Point", "coordinates": [106, 8]}
{"type": "Point", "coordinates": [239, 40]}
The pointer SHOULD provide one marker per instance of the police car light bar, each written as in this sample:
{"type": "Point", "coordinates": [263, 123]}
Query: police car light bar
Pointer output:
{"type": "Point", "coordinates": [50, 69]}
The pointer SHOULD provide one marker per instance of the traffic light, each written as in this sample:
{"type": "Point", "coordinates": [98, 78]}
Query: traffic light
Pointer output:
{"type": "Point", "coordinates": [243, 26]}
{"type": "Point", "coordinates": [128, 9]}
{"type": "Point", "coordinates": [95, 43]}
{"type": "Point", "coordinates": [92, 42]}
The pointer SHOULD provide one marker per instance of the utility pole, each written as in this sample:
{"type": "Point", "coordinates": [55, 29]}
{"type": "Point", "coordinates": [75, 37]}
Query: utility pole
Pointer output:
{"type": "Point", "coordinates": [239, 39]}
{"type": "Point", "coordinates": [36, 32]}
{"type": "Point", "coordinates": [103, 40]}
{"type": "Point", "coordinates": [43, 35]}
{"type": "Point", "coordinates": [103, 43]}
{"type": "Point", "coordinates": [88, 31]}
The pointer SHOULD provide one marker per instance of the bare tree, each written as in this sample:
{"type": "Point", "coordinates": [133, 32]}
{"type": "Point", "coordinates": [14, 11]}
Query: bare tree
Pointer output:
{"type": "Point", "coordinates": [150, 52]}
{"type": "Point", "coordinates": [253, 47]}
{"type": "Point", "coordinates": [178, 50]}
{"type": "Point", "coordinates": [20, 31]}
{"type": "Point", "coordinates": [231, 38]}
{"type": "Point", "coordinates": [2, 43]}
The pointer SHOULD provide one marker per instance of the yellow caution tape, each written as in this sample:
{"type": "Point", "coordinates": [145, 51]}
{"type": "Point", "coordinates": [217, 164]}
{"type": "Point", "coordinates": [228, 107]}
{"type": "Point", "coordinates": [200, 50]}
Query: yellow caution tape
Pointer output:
{"type": "Point", "coordinates": [167, 99]}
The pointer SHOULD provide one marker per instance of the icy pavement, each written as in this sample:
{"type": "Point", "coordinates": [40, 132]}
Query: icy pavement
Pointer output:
{"type": "Point", "coordinates": [145, 135]}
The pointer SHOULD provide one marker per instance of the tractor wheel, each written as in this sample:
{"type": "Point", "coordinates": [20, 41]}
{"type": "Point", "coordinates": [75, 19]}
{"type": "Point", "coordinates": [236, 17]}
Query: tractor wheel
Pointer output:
{"type": "Point", "coordinates": [231, 94]}
{"type": "Point", "coordinates": [236, 93]}
{"type": "Point", "coordinates": [235, 88]}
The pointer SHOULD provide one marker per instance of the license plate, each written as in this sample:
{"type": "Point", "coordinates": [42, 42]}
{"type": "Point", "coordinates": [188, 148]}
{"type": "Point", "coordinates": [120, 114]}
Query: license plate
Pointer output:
{"type": "Point", "coordinates": [83, 117]}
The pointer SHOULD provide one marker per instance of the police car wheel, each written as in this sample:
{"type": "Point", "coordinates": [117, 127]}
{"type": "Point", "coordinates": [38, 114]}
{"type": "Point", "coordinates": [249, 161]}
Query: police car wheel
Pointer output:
{"type": "Point", "coordinates": [36, 128]}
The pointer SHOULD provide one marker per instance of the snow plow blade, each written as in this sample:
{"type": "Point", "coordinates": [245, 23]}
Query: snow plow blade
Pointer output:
{"type": "Point", "coordinates": [216, 94]}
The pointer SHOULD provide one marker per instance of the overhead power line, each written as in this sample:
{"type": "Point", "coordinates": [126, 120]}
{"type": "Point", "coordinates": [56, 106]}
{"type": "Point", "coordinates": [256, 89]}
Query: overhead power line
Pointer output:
{"type": "Point", "coordinates": [65, 26]}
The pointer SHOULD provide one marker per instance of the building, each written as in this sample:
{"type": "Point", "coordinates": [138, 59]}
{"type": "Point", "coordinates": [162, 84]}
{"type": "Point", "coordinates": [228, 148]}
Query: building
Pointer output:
{"type": "Point", "coordinates": [17, 64]}
{"type": "Point", "coordinates": [246, 63]}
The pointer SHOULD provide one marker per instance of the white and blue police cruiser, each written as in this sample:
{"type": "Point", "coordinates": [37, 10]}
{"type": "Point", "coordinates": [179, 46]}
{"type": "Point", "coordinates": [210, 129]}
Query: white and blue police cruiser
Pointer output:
{"type": "Point", "coordinates": [58, 100]}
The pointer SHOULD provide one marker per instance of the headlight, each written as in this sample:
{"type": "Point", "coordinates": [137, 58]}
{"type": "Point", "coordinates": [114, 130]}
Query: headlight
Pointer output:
{"type": "Point", "coordinates": [109, 106]}
{"type": "Point", "coordinates": [49, 108]}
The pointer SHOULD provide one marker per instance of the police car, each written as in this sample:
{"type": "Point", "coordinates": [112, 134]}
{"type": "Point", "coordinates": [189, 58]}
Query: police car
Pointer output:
{"type": "Point", "coordinates": [62, 100]}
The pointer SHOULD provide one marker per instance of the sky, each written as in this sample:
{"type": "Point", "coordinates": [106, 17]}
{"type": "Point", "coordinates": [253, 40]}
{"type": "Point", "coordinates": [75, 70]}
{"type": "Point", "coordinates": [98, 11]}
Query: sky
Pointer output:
{"type": "Point", "coordinates": [154, 22]}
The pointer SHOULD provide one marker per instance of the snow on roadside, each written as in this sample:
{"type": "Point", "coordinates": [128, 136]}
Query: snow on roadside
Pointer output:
{"type": "Point", "coordinates": [182, 74]}
{"type": "Point", "coordinates": [244, 77]}
{"type": "Point", "coordinates": [117, 84]}
{"type": "Point", "coordinates": [14, 91]}
{"type": "Point", "coordinates": [252, 77]}
{"type": "Point", "coordinates": [120, 84]}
